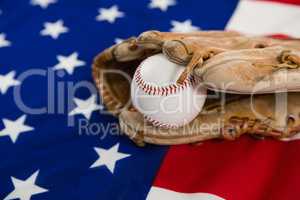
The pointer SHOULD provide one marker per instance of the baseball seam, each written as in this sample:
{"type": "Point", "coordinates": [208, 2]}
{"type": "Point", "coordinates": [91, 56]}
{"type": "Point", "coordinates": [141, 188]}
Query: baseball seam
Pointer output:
{"type": "Point", "coordinates": [160, 124]}
{"type": "Point", "coordinates": [162, 90]}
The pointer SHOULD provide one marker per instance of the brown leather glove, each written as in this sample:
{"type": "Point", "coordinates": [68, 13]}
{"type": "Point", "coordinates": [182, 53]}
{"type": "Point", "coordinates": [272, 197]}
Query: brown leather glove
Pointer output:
{"type": "Point", "coordinates": [238, 70]}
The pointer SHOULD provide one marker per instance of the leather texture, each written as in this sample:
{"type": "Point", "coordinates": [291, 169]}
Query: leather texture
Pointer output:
{"type": "Point", "coordinates": [258, 76]}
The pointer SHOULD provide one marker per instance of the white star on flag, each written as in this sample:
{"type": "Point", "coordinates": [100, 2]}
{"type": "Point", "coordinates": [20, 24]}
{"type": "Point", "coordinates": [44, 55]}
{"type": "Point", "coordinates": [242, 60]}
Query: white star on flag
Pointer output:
{"type": "Point", "coordinates": [24, 190]}
{"type": "Point", "coordinates": [109, 157]}
{"type": "Point", "coordinates": [42, 3]}
{"type": "Point", "coordinates": [7, 81]}
{"type": "Point", "coordinates": [3, 41]}
{"type": "Point", "coordinates": [183, 27]}
{"type": "Point", "coordinates": [54, 29]}
{"type": "Point", "coordinates": [86, 107]}
{"type": "Point", "coordinates": [68, 63]}
{"type": "Point", "coordinates": [162, 4]}
{"type": "Point", "coordinates": [109, 14]}
{"type": "Point", "coordinates": [14, 128]}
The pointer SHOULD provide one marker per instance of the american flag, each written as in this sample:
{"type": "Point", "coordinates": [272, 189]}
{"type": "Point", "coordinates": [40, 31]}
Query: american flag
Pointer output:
{"type": "Point", "coordinates": [49, 102]}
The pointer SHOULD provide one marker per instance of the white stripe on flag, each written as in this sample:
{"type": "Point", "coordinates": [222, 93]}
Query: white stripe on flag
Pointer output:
{"type": "Point", "coordinates": [266, 18]}
{"type": "Point", "coordinates": [161, 193]}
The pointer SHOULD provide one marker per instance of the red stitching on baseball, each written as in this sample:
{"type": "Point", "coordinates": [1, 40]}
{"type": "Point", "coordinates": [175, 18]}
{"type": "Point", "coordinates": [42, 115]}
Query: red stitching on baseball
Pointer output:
{"type": "Point", "coordinates": [162, 90]}
{"type": "Point", "coordinates": [160, 124]}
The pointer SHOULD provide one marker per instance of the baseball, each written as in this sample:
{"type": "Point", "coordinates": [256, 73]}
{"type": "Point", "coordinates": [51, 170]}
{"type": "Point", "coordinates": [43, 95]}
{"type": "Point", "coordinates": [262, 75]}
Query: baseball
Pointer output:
{"type": "Point", "coordinates": [162, 101]}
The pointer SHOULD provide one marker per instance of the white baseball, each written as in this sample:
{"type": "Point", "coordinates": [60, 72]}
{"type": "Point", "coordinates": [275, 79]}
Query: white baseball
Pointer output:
{"type": "Point", "coordinates": [163, 102]}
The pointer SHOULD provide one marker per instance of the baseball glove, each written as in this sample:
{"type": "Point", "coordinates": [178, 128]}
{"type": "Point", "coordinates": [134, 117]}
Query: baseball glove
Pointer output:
{"type": "Point", "coordinates": [244, 76]}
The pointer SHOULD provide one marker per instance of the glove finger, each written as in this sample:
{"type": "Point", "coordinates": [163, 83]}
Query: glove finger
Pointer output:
{"type": "Point", "coordinates": [251, 71]}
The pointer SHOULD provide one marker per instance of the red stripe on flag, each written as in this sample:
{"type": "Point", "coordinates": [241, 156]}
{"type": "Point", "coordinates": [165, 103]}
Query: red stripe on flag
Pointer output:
{"type": "Point", "coordinates": [245, 169]}
{"type": "Point", "coordinates": [295, 2]}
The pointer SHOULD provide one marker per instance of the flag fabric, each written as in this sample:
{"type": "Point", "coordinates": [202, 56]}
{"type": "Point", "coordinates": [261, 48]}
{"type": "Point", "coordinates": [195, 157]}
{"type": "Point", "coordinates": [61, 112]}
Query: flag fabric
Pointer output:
{"type": "Point", "coordinates": [58, 142]}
